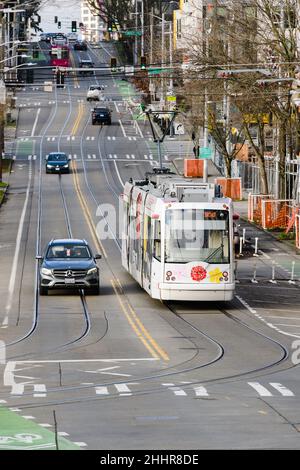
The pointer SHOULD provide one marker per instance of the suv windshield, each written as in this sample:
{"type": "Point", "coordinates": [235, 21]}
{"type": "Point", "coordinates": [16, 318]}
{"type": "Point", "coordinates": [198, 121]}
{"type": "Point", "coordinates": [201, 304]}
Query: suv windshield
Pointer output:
{"type": "Point", "coordinates": [68, 251]}
{"type": "Point", "coordinates": [57, 158]}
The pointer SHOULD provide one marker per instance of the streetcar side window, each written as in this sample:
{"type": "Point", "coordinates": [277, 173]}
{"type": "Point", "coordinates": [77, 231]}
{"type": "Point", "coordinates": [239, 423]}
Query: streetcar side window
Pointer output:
{"type": "Point", "coordinates": [157, 240]}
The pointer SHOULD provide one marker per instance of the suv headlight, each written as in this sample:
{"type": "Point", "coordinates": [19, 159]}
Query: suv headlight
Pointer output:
{"type": "Point", "coordinates": [92, 271]}
{"type": "Point", "coordinates": [46, 271]}
{"type": "Point", "coordinates": [49, 166]}
{"type": "Point", "coordinates": [66, 166]}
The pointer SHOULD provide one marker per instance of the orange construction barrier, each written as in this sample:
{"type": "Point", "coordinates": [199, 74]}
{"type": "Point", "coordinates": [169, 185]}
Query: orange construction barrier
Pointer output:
{"type": "Point", "coordinates": [297, 227]}
{"type": "Point", "coordinates": [231, 187]}
{"type": "Point", "coordinates": [276, 213]}
{"type": "Point", "coordinates": [255, 207]}
{"type": "Point", "coordinates": [193, 168]}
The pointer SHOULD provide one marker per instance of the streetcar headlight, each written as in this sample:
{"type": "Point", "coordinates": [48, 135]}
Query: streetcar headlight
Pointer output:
{"type": "Point", "coordinates": [92, 271]}
{"type": "Point", "coordinates": [46, 271]}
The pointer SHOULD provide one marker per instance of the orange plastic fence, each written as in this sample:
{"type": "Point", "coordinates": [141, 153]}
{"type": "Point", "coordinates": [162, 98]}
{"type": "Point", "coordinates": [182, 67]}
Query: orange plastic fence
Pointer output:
{"type": "Point", "coordinates": [231, 187]}
{"type": "Point", "coordinates": [193, 168]}
{"type": "Point", "coordinates": [276, 213]}
{"type": "Point", "coordinates": [255, 207]}
{"type": "Point", "coordinates": [297, 226]}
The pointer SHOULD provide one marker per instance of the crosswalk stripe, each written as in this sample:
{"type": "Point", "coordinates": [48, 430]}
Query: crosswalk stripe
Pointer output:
{"type": "Point", "coordinates": [123, 389]}
{"type": "Point", "coordinates": [262, 391]}
{"type": "Point", "coordinates": [282, 389]}
{"type": "Point", "coordinates": [101, 390]}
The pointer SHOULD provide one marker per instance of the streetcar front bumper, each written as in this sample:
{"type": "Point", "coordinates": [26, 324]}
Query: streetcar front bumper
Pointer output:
{"type": "Point", "coordinates": [195, 292]}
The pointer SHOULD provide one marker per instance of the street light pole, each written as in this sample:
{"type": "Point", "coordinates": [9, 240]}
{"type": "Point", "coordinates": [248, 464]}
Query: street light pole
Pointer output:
{"type": "Point", "coordinates": [162, 55]}
{"type": "Point", "coordinates": [2, 105]}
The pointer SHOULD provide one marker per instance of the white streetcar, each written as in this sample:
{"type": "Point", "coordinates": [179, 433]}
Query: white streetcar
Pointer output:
{"type": "Point", "coordinates": [177, 239]}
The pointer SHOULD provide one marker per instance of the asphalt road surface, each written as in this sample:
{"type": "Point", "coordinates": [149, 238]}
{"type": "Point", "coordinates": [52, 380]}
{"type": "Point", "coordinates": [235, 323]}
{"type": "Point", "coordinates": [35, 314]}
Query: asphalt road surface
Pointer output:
{"type": "Point", "coordinates": [123, 371]}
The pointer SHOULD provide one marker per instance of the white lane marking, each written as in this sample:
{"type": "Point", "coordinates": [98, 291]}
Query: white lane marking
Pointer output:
{"type": "Point", "coordinates": [28, 417]}
{"type": "Point", "coordinates": [81, 444]}
{"type": "Point", "coordinates": [15, 409]}
{"type": "Point", "coordinates": [134, 138]}
{"type": "Point", "coordinates": [129, 138]}
{"type": "Point", "coordinates": [35, 122]}
{"type": "Point", "coordinates": [251, 310]}
{"type": "Point", "coordinates": [116, 106]}
{"type": "Point", "coordinates": [123, 388]}
{"type": "Point", "coordinates": [285, 318]}
{"type": "Point", "coordinates": [122, 127]}
{"type": "Point", "coordinates": [287, 324]}
{"type": "Point", "coordinates": [151, 157]}
{"type": "Point", "coordinates": [94, 156]}
{"type": "Point", "coordinates": [282, 389]}
{"type": "Point", "coordinates": [146, 157]}
{"type": "Point", "coordinates": [3, 401]}
{"type": "Point", "coordinates": [132, 156]}
{"type": "Point", "coordinates": [110, 155]}
{"type": "Point", "coordinates": [115, 156]}
{"type": "Point", "coordinates": [29, 157]}
{"type": "Point", "coordinates": [201, 391]}
{"type": "Point", "coordinates": [113, 138]}
{"type": "Point", "coordinates": [88, 138]}
{"type": "Point", "coordinates": [118, 173]}
{"type": "Point", "coordinates": [75, 156]}
{"type": "Point", "coordinates": [40, 391]}
{"type": "Point", "coordinates": [127, 156]}
{"type": "Point", "coordinates": [262, 391]}
{"type": "Point", "coordinates": [108, 137]}
{"type": "Point", "coordinates": [13, 274]}
{"type": "Point", "coordinates": [45, 425]}
{"type": "Point", "coordinates": [62, 433]}
{"type": "Point", "coordinates": [101, 390]}
{"type": "Point", "coordinates": [176, 390]}
{"type": "Point", "coordinates": [73, 137]}
{"type": "Point", "coordinates": [57, 361]}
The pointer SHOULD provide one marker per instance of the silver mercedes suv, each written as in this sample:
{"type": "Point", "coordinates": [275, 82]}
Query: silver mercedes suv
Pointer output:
{"type": "Point", "coordinates": [69, 263]}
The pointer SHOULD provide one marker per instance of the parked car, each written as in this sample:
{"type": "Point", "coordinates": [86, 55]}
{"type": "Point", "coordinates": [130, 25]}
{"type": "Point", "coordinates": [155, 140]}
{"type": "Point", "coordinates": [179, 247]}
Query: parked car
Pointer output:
{"type": "Point", "coordinates": [101, 116]}
{"type": "Point", "coordinates": [69, 263]}
{"type": "Point", "coordinates": [57, 162]}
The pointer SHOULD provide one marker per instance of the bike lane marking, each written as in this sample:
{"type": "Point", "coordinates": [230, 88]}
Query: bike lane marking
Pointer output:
{"type": "Point", "coordinates": [17, 433]}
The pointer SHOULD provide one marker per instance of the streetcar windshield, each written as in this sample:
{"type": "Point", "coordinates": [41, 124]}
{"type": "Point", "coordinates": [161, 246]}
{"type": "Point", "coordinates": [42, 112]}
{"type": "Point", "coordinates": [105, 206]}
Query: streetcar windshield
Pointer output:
{"type": "Point", "coordinates": [197, 235]}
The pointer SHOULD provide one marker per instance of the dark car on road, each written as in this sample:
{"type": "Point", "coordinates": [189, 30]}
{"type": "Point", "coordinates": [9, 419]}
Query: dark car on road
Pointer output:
{"type": "Point", "coordinates": [57, 162]}
{"type": "Point", "coordinates": [101, 116]}
{"type": "Point", "coordinates": [85, 65]}
{"type": "Point", "coordinates": [69, 263]}
{"type": "Point", "coordinates": [80, 46]}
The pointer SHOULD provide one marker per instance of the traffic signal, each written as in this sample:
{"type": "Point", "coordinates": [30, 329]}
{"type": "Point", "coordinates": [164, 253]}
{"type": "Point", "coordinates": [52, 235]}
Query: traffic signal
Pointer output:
{"type": "Point", "coordinates": [109, 26]}
{"type": "Point", "coordinates": [55, 19]}
{"type": "Point", "coordinates": [113, 62]}
{"type": "Point", "coordinates": [59, 24]}
{"type": "Point", "coordinates": [143, 62]}
{"type": "Point", "coordinates": [74, 26]}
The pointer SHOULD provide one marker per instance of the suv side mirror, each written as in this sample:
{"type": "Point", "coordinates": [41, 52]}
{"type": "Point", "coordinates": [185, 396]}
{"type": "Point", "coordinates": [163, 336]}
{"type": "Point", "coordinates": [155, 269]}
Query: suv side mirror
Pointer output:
{"type": "Point", "coordinates": [98, 256]}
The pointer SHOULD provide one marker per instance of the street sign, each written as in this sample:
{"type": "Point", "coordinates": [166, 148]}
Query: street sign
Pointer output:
{"type": "Point", "coordinates": [132, 33]}
{"type": "Point", "coordinates": [171, 98]}
{"type": "Point", "coordinates": [205, 152]}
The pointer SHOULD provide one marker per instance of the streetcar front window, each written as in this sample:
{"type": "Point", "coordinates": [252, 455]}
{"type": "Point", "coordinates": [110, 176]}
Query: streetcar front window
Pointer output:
{"type": "Point", "coordinates": [197, 235]}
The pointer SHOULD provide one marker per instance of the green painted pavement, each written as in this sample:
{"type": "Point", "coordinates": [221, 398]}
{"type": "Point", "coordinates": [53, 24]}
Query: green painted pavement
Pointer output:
{"type": "Point", "coordinates": [125, 88]}
{"type": "Point", "coordinates": [17, 433]}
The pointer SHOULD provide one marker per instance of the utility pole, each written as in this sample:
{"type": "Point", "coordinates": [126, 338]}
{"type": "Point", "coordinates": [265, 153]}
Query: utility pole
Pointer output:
{"type": "Point", "coordinates": [151, 52]}
{"type": "Point", "coordinates": [162, 57]}
{"type": "Point", "coordinates": [2, 105]}
{"type": "Point", "coordinates": [135, 59]}
{"type": "Point", "coordinates": [143, 32]}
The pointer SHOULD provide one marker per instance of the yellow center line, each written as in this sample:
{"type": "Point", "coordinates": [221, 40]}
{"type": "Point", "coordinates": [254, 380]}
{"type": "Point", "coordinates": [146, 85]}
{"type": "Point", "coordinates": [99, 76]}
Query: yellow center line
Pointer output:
{"type": "Point", "coordinates": [144, 336]}
{"type": "Point", "coordinates": [86, 212]}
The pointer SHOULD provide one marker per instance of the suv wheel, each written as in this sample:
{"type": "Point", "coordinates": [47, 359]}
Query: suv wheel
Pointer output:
{"type": "Point", "coordinates": [43, 290]}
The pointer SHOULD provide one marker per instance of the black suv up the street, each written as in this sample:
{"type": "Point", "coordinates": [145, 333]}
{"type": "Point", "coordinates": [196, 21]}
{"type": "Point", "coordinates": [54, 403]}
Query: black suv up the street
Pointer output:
{"type": "Point", "coordinates": [85, 65]}
{"type": "Point", "coordinates": [57, 162]}
{"type": "Point", "coordinates": [101, 116]}
{"type": "Point", "coordinates": [80, 46]}
{"type": "Point", "coordinates": [69, 263]}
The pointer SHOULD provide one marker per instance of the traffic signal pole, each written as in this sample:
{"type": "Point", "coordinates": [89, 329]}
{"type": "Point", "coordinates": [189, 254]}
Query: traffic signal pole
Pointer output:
{"type": "Point", "coordinates": [2, 105]}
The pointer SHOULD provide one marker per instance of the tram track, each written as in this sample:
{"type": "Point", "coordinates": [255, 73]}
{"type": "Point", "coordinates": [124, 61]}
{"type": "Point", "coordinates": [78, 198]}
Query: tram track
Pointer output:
{"type": "Point", "coordinates": [36, 308]}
